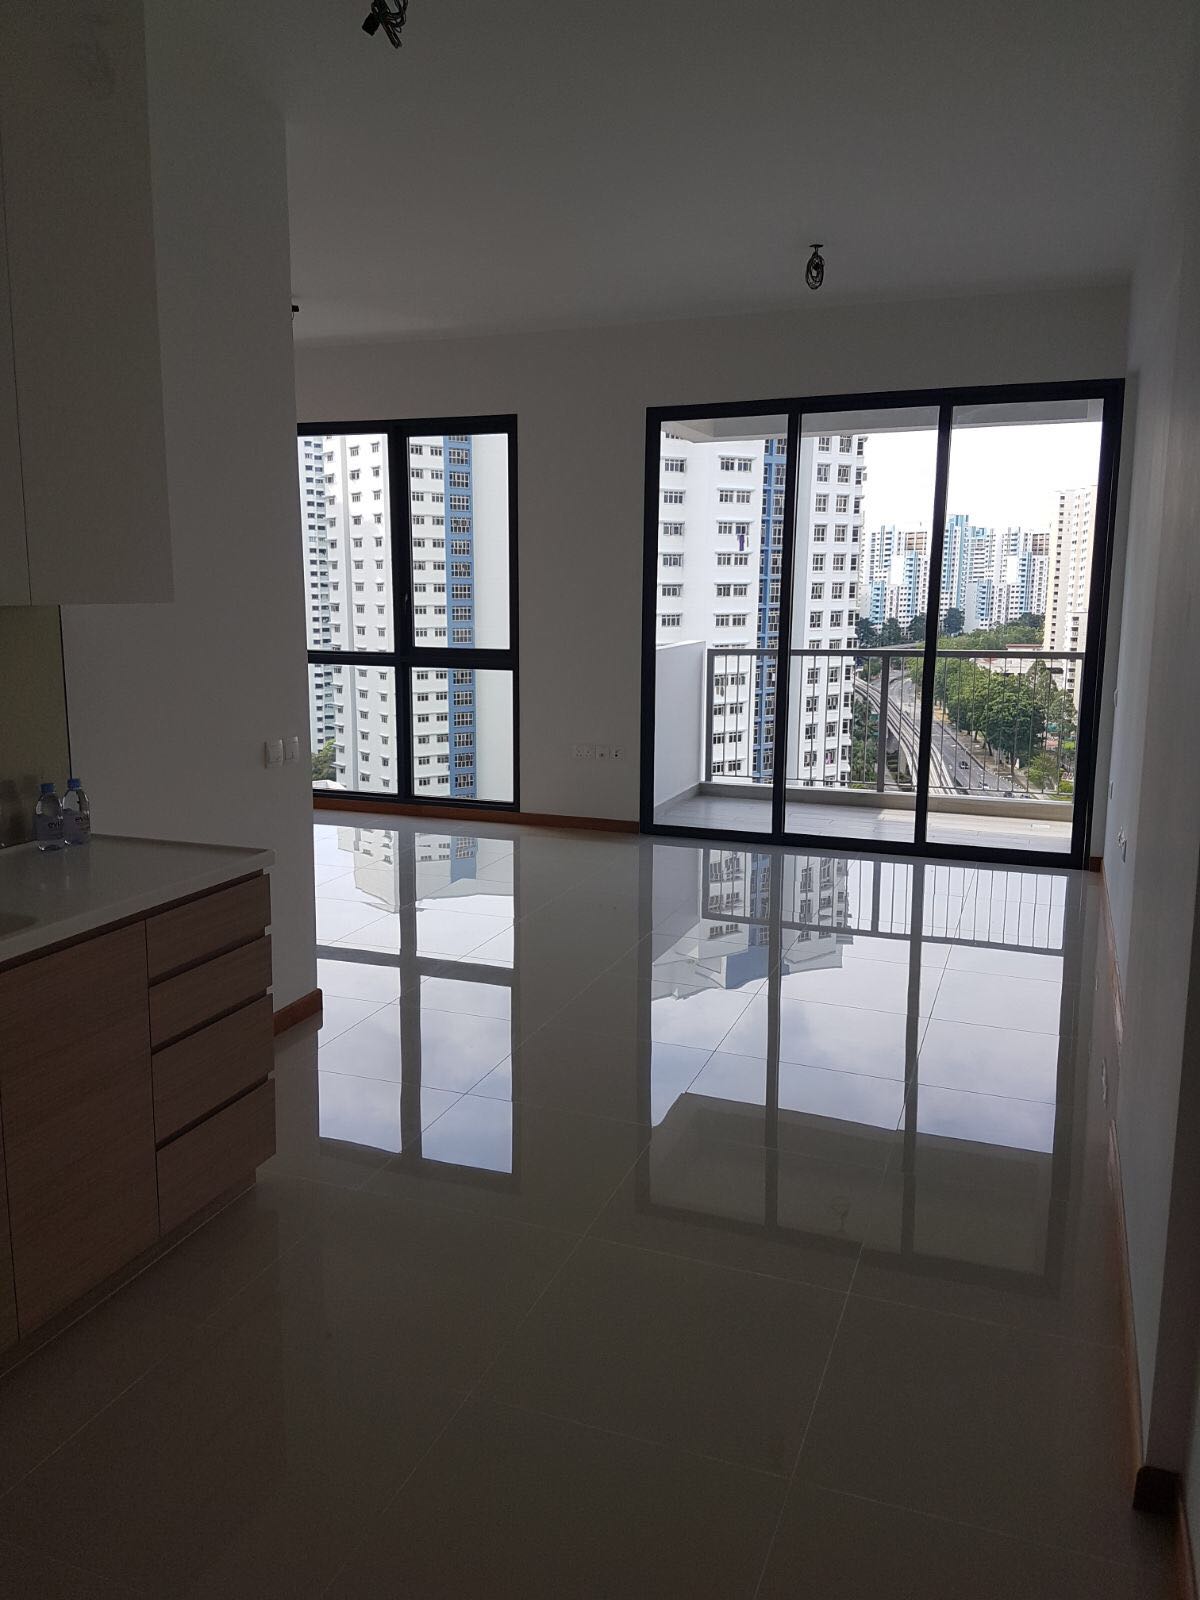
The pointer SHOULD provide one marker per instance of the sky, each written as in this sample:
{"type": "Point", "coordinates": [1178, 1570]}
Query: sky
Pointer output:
{"type": "Point", "coordinates": [1001, 477]}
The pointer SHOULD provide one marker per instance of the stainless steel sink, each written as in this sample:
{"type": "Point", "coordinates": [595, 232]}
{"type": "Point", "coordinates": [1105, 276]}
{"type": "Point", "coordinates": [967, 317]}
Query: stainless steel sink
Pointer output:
{"type": "Point", "coordinates": [11, 922]}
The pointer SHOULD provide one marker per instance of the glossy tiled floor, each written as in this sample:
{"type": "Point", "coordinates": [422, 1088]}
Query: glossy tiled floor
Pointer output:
{"type": "Point", "coordinates": [648, 1220]}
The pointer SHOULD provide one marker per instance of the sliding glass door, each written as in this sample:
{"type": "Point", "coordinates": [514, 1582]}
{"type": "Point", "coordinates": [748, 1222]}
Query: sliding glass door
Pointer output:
{"type": "Point", "coordinates": [879, 619]}
{"type": "Point", "coordinates": [860, 548]}
{"type": "Point", "coordinates": [1017, 568]}
{"type": "Point", "coordinates": [410, 559]}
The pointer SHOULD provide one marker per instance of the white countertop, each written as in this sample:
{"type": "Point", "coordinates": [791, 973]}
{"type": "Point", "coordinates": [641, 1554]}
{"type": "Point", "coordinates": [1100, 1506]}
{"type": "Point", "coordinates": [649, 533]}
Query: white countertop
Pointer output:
{"type": "Point", "coordinates": [49, 896]}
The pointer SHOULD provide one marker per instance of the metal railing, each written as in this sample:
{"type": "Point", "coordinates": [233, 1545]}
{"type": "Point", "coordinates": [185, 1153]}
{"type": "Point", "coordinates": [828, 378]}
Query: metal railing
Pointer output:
{"type": "Point", "coordinates": [1004, 721]}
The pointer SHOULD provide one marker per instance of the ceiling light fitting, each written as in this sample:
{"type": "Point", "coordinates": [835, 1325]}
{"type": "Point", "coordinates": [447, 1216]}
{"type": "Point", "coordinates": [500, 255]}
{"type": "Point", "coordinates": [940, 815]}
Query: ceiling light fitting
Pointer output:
{"type": "Point", "coordinates": [814, 272]}
{"type": "Point", "coordinates": [391, 18]}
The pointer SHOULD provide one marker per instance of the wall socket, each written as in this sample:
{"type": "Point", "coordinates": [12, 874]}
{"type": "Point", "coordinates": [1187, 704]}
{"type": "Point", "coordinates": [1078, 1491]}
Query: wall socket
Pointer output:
{"type": "Point", "coordinates": [598, 752]}
{"type": "Point", "coordinates": [277, 751]}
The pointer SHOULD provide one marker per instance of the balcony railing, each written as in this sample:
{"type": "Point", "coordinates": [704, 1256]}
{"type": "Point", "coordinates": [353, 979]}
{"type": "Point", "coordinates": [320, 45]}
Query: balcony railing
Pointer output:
{"type": "Point", "coordinates": [1004, 722]}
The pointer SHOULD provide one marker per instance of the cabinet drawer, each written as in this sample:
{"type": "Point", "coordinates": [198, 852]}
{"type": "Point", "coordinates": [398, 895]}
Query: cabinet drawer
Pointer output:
{"type": "Point", "coordinates": [201, 1165]}
{"type": "Point", "coordinates": [207, 927]}
{"type": "Point", "coordinates": [78, 1119]}
{"type": "Point", "coordinates": [180, 1004]}
{"type": "Point", "coordinates": [201, 1072]}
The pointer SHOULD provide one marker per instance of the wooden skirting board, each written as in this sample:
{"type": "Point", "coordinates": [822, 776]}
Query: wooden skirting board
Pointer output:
{"type": "Point", "coordinates": [528, 819]}
{"type": "Point", "coordinates": [308, 1005]}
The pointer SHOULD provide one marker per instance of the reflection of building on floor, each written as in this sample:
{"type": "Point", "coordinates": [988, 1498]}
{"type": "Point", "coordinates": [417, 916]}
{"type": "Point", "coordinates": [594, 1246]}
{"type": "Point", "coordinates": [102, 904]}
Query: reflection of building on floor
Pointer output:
{"type": "Point", "coordinates": [382, 1083]}
{"type": "Point", "coordinates": [817, 1150]}
{"type": "Point", "coordinates": [444, 867]}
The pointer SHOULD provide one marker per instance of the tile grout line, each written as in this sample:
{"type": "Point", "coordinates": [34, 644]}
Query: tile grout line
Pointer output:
{"type": "Point", "coordinates": [74, 1567]}
{"type": "Point", "coordinates": [473, 1391]}
{"type": "Point", "coordinates": [980, 1527]}
{"type": "Point", "coordinates": [194, 1328]}
{"type": "Point", "coordinates": [812, 1411]}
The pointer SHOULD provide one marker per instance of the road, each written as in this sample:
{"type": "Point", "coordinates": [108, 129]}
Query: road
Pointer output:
{"type": "Point", "coordinates": [955, 763]}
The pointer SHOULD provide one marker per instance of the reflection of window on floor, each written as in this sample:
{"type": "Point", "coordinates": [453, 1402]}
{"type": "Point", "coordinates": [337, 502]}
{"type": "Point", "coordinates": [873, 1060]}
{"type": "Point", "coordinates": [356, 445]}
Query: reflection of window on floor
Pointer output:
{"type": "Point", "coordinates": [812, 1064]}
{"type": "Point", "coordinates": [435, 940]}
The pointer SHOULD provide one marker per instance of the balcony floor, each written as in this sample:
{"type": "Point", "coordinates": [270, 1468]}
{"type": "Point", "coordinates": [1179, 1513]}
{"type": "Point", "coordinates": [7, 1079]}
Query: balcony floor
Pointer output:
{"type": "Point", "coordinates": [824, 820]}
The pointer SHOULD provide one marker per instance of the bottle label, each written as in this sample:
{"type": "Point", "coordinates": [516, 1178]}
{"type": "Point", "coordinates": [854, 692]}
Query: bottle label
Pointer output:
{"type": "Point", "coordinates": [76, 829]}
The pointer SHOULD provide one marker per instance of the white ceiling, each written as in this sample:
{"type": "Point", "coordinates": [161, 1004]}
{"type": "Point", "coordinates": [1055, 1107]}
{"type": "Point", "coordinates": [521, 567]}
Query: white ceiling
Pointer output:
{"type": "Point", "coordinates": [544, 163]}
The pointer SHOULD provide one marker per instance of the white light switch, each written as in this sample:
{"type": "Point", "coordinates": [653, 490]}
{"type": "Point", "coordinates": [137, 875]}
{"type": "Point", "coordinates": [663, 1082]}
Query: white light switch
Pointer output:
{"type": "Point", "coordinates": [291, 747]}
{"type": "Point", "coordinates": [273, 753]}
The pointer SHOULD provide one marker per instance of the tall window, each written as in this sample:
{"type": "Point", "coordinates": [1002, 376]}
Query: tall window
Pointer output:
{"type": "Point", "coordinates": [427, 611]}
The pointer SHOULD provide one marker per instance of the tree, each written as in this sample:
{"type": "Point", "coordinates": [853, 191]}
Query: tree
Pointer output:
{"type": "Point", "coordinates": [952, 623]}
{"type": "Point", "coordinates": [864, 743]}
{"type": "Point", "coordinates": [892, 633]}
{"type": "Point", "coordinates": [324, 765]}
{"type": "Point", "coordinates": [868, 633]}
{"type": "Point", "coordinates": [1044, 771]}
{"type": "Point", "coordinates": [916, 628]}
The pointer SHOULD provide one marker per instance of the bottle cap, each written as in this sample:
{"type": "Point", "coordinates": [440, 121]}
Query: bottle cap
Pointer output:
{"type": "Point", "coordinates": [47, 788]}
{"type": "Point", "coordinates": [74, 783]}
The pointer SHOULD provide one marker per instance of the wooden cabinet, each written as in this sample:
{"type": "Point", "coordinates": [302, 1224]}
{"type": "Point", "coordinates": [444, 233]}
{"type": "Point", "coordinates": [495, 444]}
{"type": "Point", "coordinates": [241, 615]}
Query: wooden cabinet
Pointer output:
{"type": "Point", "coordinates": [127, 1105]}
{"type": "Point", "coordinates": [213, 1157]}
{"type": "Point", "coordinates": [207, 927]}
{"type": "Point", "coordinates": [82, 305]}
{"type": "Point", "coordinates": [8, 1299]}
{"type": "Point", "coordinates": [78, 1118]}
{"type": "Point", "coordinates": [212, 1067]}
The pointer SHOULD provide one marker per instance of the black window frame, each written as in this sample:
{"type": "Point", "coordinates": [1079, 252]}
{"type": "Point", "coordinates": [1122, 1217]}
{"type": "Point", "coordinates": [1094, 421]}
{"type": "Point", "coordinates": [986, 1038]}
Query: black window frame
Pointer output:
{"type": "Point", "coordinates": [406, 655]}
{"type": "Point", "coordinates": [799, 410]}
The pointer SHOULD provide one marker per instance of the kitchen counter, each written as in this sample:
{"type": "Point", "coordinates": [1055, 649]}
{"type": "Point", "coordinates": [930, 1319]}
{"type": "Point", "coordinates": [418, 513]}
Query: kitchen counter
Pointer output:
{"type": "Point", "coordinates": [47, 897]}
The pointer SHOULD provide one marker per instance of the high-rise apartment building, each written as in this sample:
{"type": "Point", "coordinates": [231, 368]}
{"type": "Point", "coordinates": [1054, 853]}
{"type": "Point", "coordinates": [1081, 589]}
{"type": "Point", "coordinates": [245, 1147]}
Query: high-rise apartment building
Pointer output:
{"type": "Point", "coordinates": [1071, 576]}
{"type": "Point", "coordinates": [897, 564]}
{"type": "Point", "coordinates": [346, 506]}
{"type": "Point", "coordinates": [719, 577]}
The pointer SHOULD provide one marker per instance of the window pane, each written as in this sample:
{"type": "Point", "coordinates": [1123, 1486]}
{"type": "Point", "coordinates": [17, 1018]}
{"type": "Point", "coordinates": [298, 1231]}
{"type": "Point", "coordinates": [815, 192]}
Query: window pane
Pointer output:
{"type": "Point", "coordinates": [860, 582]}
{"type": "Point", "coordinates": [462, 733]}
{"type": "Point", "coordinates": [1016, 582]}
{"type": "Point", "coordinates": [352, 722]}
{"type": "Point", "coordinates": [346, 528]}
{"type": "Point", "coordinates": [458, 490]}
{"type": "Point", "coordinates": [721, 485]}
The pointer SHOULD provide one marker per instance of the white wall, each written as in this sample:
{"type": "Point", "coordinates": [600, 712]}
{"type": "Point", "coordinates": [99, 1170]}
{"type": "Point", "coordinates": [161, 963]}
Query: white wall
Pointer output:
{"type": "Point", "coordinates": [679, 687]}
{"type": "Point", "coordinates": [580, 400]}
{"type": "Point", "coordinates": [1156, 804]}
{"type": "Point", "coordinates": [169, 704]}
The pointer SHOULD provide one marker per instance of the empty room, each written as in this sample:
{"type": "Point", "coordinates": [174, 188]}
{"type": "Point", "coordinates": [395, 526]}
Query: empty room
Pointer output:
{"type": "Point", "coordinates": [599, 846]}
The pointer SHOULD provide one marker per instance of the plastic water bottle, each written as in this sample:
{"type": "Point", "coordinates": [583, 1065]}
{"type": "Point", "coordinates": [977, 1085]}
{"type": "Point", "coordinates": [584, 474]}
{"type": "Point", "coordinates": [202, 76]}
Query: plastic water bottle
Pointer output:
{"type": "Point", "coordinates": [48, 820]}
{"type": "Point", "coordinates": [77, 814]}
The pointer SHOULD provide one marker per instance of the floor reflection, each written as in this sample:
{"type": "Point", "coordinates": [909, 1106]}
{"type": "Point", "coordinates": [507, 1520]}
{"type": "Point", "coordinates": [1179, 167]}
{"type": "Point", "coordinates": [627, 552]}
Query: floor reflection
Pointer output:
{"type": "Point", "coordinates": [433, 904]}
{"type": "Point", "coordinates": [846, 1055]}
